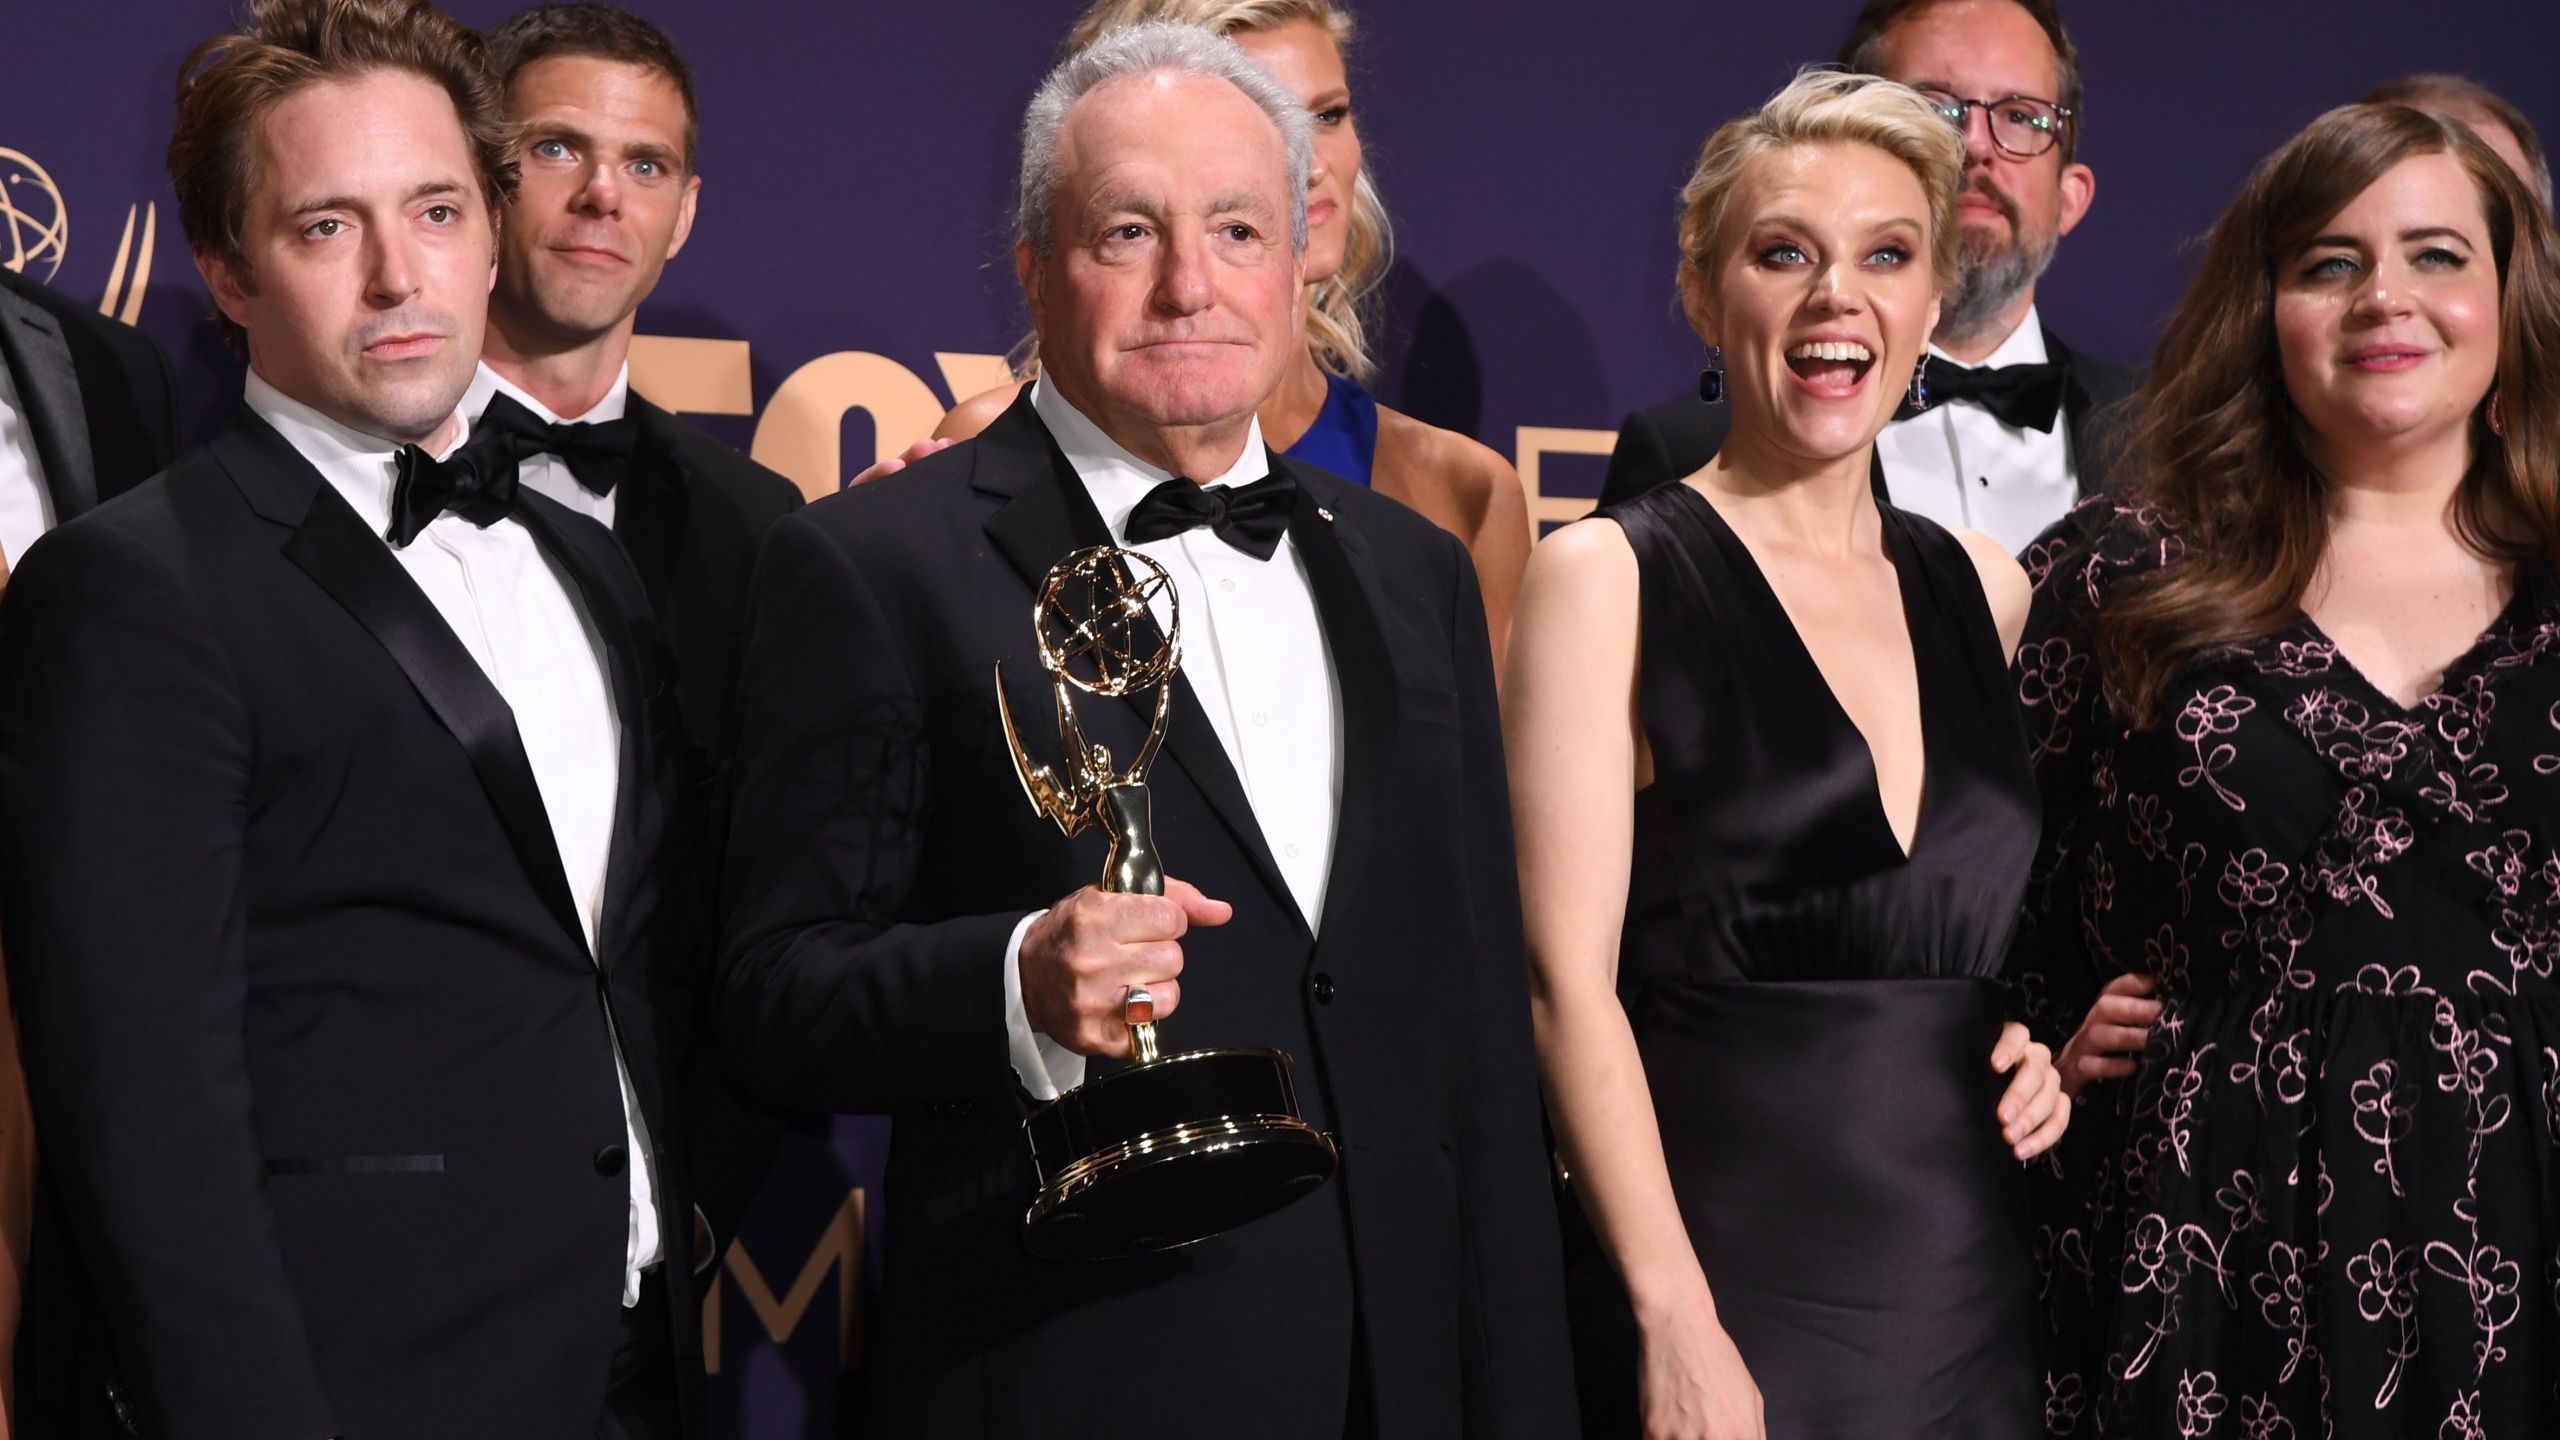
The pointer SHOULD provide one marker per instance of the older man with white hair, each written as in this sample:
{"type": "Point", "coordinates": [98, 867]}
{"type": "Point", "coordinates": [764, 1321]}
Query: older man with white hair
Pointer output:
{"type": "Point", "coordinates": [902, 933]}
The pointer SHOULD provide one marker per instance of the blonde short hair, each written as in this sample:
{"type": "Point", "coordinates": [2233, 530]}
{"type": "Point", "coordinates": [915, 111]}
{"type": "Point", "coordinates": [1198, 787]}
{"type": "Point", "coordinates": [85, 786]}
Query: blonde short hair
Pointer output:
{"type": "Point", "coordinates": [1822, 107]}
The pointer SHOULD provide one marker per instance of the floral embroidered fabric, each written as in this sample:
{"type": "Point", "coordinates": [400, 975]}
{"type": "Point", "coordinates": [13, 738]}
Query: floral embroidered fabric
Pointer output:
{"type": "Point", "coordinates": [2328, 1202]}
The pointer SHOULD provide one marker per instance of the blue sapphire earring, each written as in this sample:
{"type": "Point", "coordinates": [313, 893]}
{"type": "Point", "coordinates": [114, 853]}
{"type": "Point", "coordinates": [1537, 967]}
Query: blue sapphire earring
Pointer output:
{"type": "Point", "coordinates": [1919, 393]}
{"type": "Point", "coordinates": [1711, 379]}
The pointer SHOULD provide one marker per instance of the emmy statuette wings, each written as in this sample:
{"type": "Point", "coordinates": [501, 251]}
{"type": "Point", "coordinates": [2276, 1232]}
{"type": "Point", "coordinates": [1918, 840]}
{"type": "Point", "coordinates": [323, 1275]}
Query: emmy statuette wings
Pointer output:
{"type": "Point", "coordinates": [1175, 1148]}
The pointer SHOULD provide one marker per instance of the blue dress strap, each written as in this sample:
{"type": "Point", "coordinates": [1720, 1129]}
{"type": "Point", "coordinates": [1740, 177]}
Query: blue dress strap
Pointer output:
{"type": "Point", "coordinates": [1344, 437]}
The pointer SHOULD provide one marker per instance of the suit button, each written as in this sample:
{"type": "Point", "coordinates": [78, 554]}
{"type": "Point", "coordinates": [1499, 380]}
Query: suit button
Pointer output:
{"type": "Point", "coordinates": [609, 1160]}
{"type": "Point", "coordinates": [1323, 989]}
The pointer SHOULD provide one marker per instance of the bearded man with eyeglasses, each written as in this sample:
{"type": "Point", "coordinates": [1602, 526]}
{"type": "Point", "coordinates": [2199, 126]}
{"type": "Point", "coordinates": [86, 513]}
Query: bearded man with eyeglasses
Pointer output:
{"type": "Point", "coordinates": [2008, 426]}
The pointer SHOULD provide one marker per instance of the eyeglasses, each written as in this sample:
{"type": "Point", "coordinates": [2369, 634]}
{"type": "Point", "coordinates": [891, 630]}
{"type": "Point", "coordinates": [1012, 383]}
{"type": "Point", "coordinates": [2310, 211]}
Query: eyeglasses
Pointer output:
{"type": "Point", "coordinates": [2022, 125]}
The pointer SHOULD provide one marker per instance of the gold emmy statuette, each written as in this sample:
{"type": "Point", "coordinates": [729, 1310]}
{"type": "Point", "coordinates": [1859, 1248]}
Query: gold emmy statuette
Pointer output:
{"type": "Point", "coordinates": [1175, 1148]}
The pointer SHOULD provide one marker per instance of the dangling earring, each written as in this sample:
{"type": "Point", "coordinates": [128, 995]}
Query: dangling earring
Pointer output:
{"type": "Point", "coordinates": [1711, 379]}
{"type": "Point", "coordinates": [2497, 418]}
{"type": "Point", "coordinates": [1919, 391]}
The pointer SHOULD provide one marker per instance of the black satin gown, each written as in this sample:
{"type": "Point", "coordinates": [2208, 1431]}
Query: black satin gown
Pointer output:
{"type": "Point", "coordinates": [1816, 1011]}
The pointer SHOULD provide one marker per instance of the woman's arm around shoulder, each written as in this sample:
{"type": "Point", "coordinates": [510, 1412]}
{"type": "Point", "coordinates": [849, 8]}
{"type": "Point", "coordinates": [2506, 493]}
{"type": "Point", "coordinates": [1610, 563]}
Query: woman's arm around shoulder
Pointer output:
{"type": "Point", "coordinates": [978, 412]}
{"type": "Point", "coordinates": [1468, 490]}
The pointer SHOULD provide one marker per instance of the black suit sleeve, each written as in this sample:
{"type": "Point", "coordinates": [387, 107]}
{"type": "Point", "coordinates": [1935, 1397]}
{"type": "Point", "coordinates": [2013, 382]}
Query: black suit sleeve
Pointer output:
{"type": "Point", "coordinates": [1639, 461]}
{"type": "Point", "coordinates": [828, 995]}
{"type": "Point", "coordinates": [1517, 1380]}
{"type": "Point", "coordinates": [124, 793]}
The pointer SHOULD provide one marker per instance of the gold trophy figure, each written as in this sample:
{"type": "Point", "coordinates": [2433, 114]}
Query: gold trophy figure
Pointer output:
{"type": "Point", "coordinates": [1175, 1148]}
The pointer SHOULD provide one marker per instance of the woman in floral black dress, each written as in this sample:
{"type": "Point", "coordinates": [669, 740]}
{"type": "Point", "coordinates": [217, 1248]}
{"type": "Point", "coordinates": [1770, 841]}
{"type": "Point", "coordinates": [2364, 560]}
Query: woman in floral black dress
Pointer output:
{"type": "Point", "coordinates": [2295, 704]}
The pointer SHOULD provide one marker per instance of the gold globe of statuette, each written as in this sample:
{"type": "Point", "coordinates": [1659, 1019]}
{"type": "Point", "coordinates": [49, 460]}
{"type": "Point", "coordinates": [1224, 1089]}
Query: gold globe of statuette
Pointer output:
{"type": "Point", "coordinates": [1094, 608]}
{"type": "Point", "coordinates": [35, 228]}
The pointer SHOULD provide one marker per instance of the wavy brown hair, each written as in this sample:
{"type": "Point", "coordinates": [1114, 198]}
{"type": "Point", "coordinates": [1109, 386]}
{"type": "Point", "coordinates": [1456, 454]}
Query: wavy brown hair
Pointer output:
{"type": "Point", "coordinates": [228, 84]}
{"type": "Point", "coordinates": [2223, 453]}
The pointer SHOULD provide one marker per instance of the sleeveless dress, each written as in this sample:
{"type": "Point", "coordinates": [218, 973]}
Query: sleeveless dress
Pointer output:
{"type": "Point", "coordinates": [1816, 1011]}
{"type": "Point", "coordinates": [1344, 437]}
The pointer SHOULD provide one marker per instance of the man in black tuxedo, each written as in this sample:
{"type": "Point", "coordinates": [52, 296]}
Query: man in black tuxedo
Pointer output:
{"type": "Point", "coordinates": [91, 403]}
{"type": "Point", "coordinates": [605, 199]}
{"type": "Point", "coordinates": [335, 786]}
{"type": "Point", "coordinates": [2017, 426]}
{"type": "Point", "coordinates": [902, 933]}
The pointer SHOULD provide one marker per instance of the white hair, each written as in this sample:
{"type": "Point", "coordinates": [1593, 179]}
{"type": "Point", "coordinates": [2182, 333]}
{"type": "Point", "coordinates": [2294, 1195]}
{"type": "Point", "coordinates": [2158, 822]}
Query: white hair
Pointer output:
{"type": "Point", "coordinates": [1154, 48]}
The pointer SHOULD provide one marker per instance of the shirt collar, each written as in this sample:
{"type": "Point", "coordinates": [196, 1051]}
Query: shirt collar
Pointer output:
{"type": "Point", "coordinates": [2025, 346]}
{"type": "Point", "coordinates": [486, 382]}
{"type": "Point", "coordinates": [1116, 479]}
{"type": "Point", "coordinates": [362, 468]}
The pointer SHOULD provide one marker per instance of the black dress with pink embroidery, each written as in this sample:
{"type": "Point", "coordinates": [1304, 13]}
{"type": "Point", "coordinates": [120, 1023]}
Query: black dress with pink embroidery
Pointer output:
{"type": "Point", "coordinates": [2328, 1202]}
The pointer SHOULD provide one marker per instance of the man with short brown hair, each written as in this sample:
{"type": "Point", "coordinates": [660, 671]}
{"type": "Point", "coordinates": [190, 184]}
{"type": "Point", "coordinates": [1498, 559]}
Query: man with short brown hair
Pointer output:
{"type": "Point", "coordinates": [336, 782]}
{"type": "Point", "coordinates": [608, 182]}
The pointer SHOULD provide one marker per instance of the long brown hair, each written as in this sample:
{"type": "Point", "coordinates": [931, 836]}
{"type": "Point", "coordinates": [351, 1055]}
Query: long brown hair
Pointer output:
{"type": "Point", "coordinates": [2221, 450]}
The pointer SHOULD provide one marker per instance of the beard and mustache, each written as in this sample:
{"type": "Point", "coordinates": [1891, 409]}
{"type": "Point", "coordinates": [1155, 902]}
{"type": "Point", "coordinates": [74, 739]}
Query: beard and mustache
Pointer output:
{"type": "Point", "coordinates": [1992, 270]}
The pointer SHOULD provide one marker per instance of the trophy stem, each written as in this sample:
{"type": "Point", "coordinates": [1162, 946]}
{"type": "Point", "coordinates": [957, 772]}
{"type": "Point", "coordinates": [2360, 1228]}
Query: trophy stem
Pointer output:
{"type": "Point", "coordinates": [1133, 866]}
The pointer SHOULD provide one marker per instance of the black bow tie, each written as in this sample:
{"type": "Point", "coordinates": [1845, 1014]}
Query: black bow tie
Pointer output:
{"type": "Point", "coordinates": [1251, 518]}
{"type": "Point", "coordinates": [594, 451]}
{"type": "Point", "coordinates": [477, 482]}
{"type": "Point", "coordinates": [2026, 396]}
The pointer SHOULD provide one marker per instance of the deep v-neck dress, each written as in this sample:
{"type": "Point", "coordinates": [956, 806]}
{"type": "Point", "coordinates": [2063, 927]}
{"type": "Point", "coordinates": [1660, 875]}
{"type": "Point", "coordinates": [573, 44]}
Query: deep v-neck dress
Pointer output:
{"type": "Point", "coordinates": [1815, 1009]}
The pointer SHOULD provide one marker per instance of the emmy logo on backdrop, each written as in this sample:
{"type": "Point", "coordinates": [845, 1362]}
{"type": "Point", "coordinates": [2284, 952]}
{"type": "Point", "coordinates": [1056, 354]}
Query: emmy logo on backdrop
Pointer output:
{"type": "Point", "coordinates": [1175, 1148]}
{"type": "Point", "coordinates": [35, 229]}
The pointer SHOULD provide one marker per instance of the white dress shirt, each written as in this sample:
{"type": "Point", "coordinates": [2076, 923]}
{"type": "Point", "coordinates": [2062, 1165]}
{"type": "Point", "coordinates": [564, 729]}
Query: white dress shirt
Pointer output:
{"type": "Point", "coordinates": [1254, 651]}
{"type": "Point", "coordinates": [546, 472]}
{"type": "Point", "coordinates": [523, 620]}
{"type": "Point", "coordinates": [26, 505]}
{"type": "Point", "coordinates": [1962, 467]}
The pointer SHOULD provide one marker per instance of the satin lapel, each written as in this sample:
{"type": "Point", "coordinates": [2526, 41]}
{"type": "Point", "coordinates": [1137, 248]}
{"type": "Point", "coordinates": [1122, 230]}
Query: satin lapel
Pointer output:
{"type": "Point", "coordinates": [2079, 418]}
{"type": "Point", "coordinates": [357, 569]}
{"type": "Point", "coordinates": [649, 513]}
{"type": "Point", "coordinates": [1344, 577]}
{"type": "Point", "coordinates": [639, 816]}
{"type": "Point", "coordinates": [39, 361]}
{"type": "Point", "coordinates": [1049, 515]}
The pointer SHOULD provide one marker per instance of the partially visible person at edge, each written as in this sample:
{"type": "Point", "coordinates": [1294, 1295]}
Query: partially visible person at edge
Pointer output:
{"type": "Point", "coordinates": [2019, 425]}
{"type": "Point", "coordinates": [1767, 997]}
{"type": "Point", "coordinates": [609, 178]}
{"type": "Point", "coordinates": [1322, 414]}
{"type": "Point", "coordinates": [88, 410]}
{"type": "Point", "coordinates": [2492, 116]}
{"type": "Point", "coordinates": [2295, 701]}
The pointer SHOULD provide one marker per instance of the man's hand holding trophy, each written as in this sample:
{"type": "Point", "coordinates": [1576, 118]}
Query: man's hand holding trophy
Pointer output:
{"type": "Point", "coordinates": [1175, 1148]}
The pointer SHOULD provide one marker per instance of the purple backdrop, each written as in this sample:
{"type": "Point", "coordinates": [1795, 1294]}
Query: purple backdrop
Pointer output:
{"type": "Point", "coordinates": [852, 256]}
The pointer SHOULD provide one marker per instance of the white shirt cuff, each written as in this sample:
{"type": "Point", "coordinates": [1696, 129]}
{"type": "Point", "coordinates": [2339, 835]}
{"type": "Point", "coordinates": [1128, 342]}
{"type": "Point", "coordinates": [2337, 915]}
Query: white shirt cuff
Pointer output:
{"type": "Point", "coordinates": [1044, 1066]}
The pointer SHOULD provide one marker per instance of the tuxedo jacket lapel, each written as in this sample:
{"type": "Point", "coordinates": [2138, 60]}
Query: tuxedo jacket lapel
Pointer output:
{"type": "Point", "coordinates": [650, 504]}
{"type": "Point", "coordinates": [331, 545]}
{"type": "Point", "coordinates": [639, 815]}
{"type": "Point", "coordinates": [1343, 575]}
{"type": "Point", "coordinates": [1044, 514]}
{"type": "Point", "coordinates": [39, 361]}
